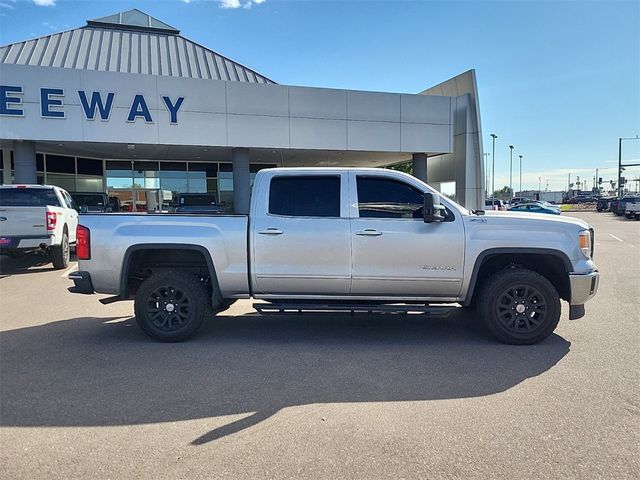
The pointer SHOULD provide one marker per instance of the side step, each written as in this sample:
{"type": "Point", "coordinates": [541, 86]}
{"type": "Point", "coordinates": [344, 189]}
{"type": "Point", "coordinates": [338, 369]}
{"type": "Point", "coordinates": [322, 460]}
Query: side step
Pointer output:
{"type": "Point", "coordinates": [394, 308]}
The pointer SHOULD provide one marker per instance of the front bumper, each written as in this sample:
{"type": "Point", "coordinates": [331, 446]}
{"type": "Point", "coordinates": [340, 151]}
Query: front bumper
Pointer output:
{"type": "Point", "coordinates": [81, 283]}
{"type": "Point", "coordinates": [583, 287]}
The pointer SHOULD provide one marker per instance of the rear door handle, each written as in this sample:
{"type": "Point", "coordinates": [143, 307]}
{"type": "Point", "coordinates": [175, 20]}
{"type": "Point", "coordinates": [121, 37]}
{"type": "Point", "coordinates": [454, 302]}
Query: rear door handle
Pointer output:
{"type": "Point", "coordinates": [369, 232]}
{"type": "Point", "coordinates": [271, 231]}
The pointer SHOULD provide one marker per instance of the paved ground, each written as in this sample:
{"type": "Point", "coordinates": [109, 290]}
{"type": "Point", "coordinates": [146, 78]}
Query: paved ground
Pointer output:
{"type": "Point", "coordinates": [85, 395]}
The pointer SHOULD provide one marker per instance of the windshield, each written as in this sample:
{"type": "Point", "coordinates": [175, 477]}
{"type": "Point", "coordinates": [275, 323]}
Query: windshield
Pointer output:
{"type": "Point", "coordinates": [28, 197]}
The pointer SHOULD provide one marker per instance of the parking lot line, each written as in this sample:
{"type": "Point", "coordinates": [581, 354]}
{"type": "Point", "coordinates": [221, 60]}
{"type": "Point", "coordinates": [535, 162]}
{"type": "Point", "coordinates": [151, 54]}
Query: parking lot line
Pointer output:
{"type": "Point", "coordinates": [617, 238]}
{"type": "Point", "coordinates": [72, 268]}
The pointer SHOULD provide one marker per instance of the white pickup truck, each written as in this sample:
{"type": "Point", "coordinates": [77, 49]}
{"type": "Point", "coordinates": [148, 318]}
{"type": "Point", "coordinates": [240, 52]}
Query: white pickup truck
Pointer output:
{"type": "Point", "coordinates": [369, 240]}
{"type": "Point", "coordinates": [37, 218]}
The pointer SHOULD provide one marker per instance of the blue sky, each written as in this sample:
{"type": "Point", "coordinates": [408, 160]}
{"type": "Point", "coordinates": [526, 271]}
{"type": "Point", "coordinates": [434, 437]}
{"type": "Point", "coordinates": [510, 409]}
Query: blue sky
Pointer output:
{"type": "Point", "coordinates": [559, 80]}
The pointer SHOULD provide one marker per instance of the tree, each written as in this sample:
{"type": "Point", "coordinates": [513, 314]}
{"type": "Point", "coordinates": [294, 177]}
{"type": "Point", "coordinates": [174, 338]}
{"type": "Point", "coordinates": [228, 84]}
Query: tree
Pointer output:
{"type": "Point", "coordinates": [505, 193]}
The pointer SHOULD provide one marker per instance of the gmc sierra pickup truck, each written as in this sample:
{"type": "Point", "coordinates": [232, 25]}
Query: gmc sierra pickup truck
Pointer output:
{"type": "Point", "coordinates": [322, 239]}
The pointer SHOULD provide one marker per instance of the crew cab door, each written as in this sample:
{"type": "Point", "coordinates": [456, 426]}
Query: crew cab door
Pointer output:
{"type": "Point", "coordinates": [395, 253]}
{"type": "Point", "coordinates": [300, 234]}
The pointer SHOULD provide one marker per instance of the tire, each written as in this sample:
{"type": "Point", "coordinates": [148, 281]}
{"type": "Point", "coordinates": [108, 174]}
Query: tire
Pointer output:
{"type": "Point", "coordinates": [60, 253]}
{"type": "Point", "coordinates": [519, 288]}
{"type": "Point", "coordinates": [628, 215]}
{"type": "Point", "coordinates": [189, 299]}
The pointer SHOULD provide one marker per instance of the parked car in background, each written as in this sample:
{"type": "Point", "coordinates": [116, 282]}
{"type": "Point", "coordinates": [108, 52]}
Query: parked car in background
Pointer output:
{"type": "Point", "coordinates": [198, 203]}
{"type": "Point", "coordinates": [37, 218]}
{"type": "Point", "coordinates": [535, 207]}
{"type": "Point", "coordinates": [517, 200]}
{"type": "Point", "coordinates": [495, 204]}
{"type": "Point", "coordinates": [603, 203]}
{"type": "Point", "coordinates": [583, 198]}
{"type": "Point", "coordinates": [92, 202]}
{"type": "Point", "coordinates": [631, 207]}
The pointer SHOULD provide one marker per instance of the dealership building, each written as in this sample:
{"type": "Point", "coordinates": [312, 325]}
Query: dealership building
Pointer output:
{"type": "Point", "coordinates": [128, 106]}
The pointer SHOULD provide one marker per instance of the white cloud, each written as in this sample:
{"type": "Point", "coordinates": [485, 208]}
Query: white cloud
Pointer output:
{"type": "Point", "coordinates": [6, 5]}
{"type": "Point", "coordinates": [232, 4]}
{"type": "Point", "coordinates": [45, 3]}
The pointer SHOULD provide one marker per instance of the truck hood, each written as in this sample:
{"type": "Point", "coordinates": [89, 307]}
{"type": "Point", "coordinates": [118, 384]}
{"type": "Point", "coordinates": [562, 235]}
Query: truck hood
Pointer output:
{"type": "Point", "coordinates": [525, 230]}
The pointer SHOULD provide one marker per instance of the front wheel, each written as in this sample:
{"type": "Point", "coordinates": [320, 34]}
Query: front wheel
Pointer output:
{"type": "Point", "coordinates": [519, 306]}
{"type": "Point", "coordinates": [170, 306]}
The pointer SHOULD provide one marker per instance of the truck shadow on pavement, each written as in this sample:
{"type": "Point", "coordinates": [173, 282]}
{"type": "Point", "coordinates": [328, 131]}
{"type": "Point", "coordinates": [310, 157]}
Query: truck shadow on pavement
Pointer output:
{"type": "Point", "coordinates": [105, 372]}
{"type": "Point", "coordinates": [28, 263]}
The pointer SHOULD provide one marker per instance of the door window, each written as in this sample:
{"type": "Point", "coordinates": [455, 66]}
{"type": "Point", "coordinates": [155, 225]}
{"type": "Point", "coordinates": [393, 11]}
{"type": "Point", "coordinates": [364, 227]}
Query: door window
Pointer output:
{"type": "Point", "coordinates": [385, 198]}
{"type": "Point", "coordinates": [305, 196]}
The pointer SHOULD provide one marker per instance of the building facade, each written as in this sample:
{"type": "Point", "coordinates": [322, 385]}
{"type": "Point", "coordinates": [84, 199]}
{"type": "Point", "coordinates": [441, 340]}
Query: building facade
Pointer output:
{"type": "Point", "coordinates": [127, 105]}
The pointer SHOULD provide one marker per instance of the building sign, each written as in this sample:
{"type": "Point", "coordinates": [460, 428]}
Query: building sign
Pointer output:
{"type": "Point", "coordinates": [93, 104]}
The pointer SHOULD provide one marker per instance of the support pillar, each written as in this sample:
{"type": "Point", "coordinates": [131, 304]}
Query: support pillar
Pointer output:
{"type": "Point", "coordinates": [6, 166]}
{"type": "Point", "coordinates": [24, 158]}
{"type": "Point", "coordinates": [420, 166]}
{"type": "Point", "coordinates": [241, 191]}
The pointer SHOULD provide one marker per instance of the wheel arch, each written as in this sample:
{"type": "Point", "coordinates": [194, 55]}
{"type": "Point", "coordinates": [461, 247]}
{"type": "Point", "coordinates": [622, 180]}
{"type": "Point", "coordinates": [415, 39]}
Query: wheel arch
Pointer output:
{"type": "Point", "coordinates": [135, 251]}
{"type": "Point", "coordinates": [550, 263]}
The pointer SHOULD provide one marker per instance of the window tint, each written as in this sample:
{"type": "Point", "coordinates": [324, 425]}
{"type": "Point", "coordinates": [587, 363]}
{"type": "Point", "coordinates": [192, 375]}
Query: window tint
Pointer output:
{"type": "Point", "coordinates": [28, 197]}
{"type": "Point", "coordinates": [384, 198]}
{"type": "Point", "coordinates": [305, 196]}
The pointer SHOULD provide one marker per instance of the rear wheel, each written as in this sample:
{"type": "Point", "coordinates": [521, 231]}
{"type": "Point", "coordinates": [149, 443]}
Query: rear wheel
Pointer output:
{"type": "Point", "coordinates": [519, 306]}
{"type": "Point", "coordinates": [60, 253]}
{"type": "Point", "coordinates": [170, 306]}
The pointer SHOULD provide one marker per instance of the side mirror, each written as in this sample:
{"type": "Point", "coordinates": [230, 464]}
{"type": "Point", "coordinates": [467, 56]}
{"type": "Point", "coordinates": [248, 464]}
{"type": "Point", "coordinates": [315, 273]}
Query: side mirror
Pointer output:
{"type": "Point", "coordinates": [433, 211]}
{"type": "Point", "coordinates": [84, 209]}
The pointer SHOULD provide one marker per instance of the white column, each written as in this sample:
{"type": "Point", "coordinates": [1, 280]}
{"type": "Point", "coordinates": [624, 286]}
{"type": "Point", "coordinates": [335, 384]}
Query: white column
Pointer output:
{"type": "Point", "coordinates": [6, 166]}
{"type": "Point", "coordinates": [420, 166]}
{"type": "Point", "coordinates": [24, 159]}
{"type": "Point", "coordinates": [241, 191]}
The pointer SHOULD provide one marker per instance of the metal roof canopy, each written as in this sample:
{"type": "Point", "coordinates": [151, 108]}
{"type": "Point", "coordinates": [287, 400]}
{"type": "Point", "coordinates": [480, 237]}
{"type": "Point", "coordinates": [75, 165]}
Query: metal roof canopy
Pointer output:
{"type": "Point", "coordinates": [133, 19]}
{"type": "Point", "coordinates": [128, 42]}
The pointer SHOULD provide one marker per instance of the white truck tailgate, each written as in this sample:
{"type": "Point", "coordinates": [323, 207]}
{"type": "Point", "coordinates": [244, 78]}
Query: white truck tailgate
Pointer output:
{"type": "Point", "coordinates": [23, 221]}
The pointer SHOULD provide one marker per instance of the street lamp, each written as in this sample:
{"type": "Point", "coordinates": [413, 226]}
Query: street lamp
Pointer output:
{"type": "Point", "coordinates": [620, 186]}
{"type": "Point", "coordinates": [486, 173]}
{"type": "Point", "coordinates": [520, 174]}
{"type": "Point", "coordinates": [493, 169]}
{"type": "Point", "coordinates": [511, 169]}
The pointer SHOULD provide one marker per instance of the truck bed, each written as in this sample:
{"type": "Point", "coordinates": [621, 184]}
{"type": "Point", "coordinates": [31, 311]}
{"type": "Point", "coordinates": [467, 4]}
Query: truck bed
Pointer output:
{"type": "Point", "coordinates": [113, 236]}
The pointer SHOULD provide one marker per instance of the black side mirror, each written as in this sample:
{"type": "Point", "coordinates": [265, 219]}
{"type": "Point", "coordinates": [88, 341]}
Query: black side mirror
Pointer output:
{"type": "Point", "coordinates": [84, 209]}
{"type": "Point", "coordinates": [433, 210]}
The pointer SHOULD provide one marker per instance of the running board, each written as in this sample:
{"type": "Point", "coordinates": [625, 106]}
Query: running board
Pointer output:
{"type": "Point", "coordinates": [289, 308]}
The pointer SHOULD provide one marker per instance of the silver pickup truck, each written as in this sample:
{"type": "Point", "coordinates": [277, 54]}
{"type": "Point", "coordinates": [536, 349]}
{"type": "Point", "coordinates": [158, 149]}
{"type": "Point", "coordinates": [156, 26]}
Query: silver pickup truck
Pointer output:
{"type": "Point", "coordinates": [325, 239]}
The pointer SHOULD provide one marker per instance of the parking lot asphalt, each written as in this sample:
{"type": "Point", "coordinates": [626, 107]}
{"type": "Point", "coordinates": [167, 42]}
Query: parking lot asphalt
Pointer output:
{"type": "Point", "coordinates": [84, 394]}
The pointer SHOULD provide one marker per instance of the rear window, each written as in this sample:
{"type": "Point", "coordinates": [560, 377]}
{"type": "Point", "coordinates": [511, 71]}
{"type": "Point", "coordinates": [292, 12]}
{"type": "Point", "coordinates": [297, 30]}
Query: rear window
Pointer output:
{"type": "Point", "coordinates": [305, 196]}
{"type": "Point", "coordinates": [197, 200]}
{"type": "Point", "coordinates": [28, 197]}
{"type": "Point", "coordinates": [89, 200]}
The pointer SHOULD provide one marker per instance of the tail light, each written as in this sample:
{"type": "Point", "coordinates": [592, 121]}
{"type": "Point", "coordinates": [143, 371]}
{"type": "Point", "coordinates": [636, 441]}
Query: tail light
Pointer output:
{"type": "Point", "coordinates": [83, 243]}
{"type": "Point", "coordinates": [52, 219]}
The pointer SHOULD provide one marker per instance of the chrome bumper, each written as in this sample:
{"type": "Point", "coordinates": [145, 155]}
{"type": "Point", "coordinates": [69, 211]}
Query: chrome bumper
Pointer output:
{"type": "Point", "coordinates": [583, 287]}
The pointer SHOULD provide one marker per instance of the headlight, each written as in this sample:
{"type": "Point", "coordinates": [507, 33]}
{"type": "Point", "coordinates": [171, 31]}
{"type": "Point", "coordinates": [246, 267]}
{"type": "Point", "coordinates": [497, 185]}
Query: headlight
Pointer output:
{"type": "Point", "coordinates": [584, 239]}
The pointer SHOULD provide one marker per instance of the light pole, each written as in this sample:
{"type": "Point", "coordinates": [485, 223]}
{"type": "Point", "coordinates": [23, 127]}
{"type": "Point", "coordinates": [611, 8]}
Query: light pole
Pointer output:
{"type": "Point", "coordinates": [620, 186]}
{"type": "Point", "coordinates": [493, 169]}
{"type": "Point", "coordinates": [511, 169]}
{"type": "Point", "coordinates": [486, 173]}
{"type": "Point", "coordinates": [520, 174]}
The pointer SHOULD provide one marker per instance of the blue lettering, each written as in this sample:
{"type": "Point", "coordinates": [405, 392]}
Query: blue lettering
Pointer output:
{"type": "Point", "coordinates": [173, 109]}
{"type": "Point", "coordinates": [6, 99]}
{"type": "Point", "coordinates": [96, 102]}
{"type": "Point", "coordinates": [139, 109]}
{"type": "Point", "coordinates": [46, 102]}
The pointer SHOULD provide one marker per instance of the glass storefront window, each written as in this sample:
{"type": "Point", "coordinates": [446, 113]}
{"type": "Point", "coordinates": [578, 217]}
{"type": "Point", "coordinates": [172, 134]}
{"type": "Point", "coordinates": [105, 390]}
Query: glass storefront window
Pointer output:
{"type": "Point", "coordinates": [173, 170]}
{"type": "Point", "coordinates": [209, 169]}
{"type": "Point", "coordinates": [90, 166]}
{"type": "Point", "coordinates": [60, 164]}
{"type": "Point", "coordinates": [68, 182]}
{"type": "Point", "coordinates": [90, 184]}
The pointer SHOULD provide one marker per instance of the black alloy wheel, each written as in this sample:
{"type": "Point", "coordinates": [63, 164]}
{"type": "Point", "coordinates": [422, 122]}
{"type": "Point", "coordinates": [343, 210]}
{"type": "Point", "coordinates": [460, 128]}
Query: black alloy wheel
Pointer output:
{"type": "Point", "coordinates": [519, 306]}
{"type": "Point", "coordinates": [171, 305]}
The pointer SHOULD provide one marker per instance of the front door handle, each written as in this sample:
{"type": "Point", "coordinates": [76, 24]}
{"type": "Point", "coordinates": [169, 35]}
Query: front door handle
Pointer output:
{"type": "Point", "coordinates": [369, 232]}
{"type": "Point", "coordinates": [271, 231]}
